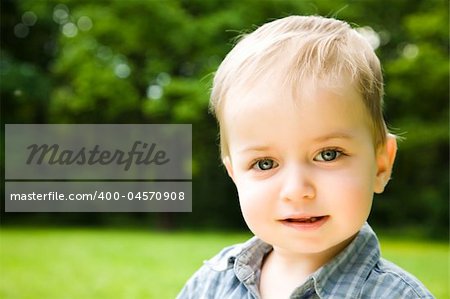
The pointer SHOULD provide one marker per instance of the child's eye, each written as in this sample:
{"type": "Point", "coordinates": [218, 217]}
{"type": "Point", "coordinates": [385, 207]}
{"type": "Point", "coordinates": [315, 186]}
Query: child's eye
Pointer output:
{"type": "Point", "coordinates": [328, 155]}
{"type": "Point", "coordinates": [265, 164]}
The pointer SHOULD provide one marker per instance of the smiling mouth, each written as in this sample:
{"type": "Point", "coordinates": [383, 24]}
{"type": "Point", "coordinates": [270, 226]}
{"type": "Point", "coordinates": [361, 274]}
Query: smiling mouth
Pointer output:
{"type": "Point", "coordinates": [305, 220]}
{"type": "Point", "coordinates": [305, 223]}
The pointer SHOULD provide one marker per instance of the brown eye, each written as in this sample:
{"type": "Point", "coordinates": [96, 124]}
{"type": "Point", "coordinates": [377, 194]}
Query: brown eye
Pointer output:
{"type": "Point", "coordinates": [265, 164]}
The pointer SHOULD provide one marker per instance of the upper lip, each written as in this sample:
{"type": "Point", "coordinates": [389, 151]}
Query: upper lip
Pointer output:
{"type": "Point", "coordinates": [301, 216]}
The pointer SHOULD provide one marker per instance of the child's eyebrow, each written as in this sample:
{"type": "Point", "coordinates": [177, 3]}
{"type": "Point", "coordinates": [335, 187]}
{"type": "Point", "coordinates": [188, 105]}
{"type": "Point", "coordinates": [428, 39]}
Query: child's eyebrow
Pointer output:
{"type": "Point", "coordinates": [254, 148]}
{"type": "Point", "coordinates": [334, 135]}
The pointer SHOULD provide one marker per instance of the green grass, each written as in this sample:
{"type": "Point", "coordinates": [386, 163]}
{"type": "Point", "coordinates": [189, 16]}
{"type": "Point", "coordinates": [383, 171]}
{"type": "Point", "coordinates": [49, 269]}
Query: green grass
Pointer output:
{"type": "Point", "coordinates": [95, 263]}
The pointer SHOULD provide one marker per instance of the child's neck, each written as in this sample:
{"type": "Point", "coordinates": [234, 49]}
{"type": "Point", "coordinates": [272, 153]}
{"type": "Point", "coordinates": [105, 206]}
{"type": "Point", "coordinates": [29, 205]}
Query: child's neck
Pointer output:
{"type": "Point", "coordinates": [285, 271]}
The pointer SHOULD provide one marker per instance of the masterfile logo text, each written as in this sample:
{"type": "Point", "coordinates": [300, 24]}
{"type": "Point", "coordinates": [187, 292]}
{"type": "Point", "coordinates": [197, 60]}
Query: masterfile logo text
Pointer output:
{"type": "Point", "coordinates": [158, 152]}
{"type": "Point", "coordinates": [140, 153]}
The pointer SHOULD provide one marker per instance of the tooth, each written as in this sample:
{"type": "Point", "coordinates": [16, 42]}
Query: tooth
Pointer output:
{"type": "Point", "coordinates": [313, 219]}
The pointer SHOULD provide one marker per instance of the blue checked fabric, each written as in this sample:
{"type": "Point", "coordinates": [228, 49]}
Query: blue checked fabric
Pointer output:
{"type": "Point", "coordinates": [357, 272]}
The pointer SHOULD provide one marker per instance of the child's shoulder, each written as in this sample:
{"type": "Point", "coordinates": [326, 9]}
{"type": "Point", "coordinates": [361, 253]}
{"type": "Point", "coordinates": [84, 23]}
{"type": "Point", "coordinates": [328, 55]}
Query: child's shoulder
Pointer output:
{"type": "Point", "coordinates": [359, 271]}
{"type": "Point", "coordinates": [388, 279]}
{"type": "Point", "coordinates": [222, 275]}
{"type": "Point", "coordinates": [246, 251]}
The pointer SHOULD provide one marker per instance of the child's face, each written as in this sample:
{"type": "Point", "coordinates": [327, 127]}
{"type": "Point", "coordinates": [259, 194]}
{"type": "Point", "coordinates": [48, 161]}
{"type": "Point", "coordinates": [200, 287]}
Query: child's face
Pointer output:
{"type": "Point", "coordinates": [305, 169]}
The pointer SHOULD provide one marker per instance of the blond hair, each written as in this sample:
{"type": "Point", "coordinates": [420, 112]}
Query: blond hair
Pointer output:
{"type": "Point", "coordinates": [301, 48]}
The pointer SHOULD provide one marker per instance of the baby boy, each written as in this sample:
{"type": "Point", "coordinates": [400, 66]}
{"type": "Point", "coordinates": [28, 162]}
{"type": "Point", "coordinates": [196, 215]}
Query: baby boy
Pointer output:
{"type": "Point", "coordinates": [299, 105]}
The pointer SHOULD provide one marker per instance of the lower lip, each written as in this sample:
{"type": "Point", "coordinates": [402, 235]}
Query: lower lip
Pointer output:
{"type": "Point", "coordinates": [304, 226]}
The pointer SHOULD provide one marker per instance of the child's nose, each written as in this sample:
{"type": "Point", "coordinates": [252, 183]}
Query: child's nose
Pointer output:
{"type": "Point", "coordinates": [297, 184]}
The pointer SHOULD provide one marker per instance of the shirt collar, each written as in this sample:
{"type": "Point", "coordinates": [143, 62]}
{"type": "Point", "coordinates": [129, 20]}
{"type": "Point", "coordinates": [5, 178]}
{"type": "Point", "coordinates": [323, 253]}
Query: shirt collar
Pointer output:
{"type": "Point", "coordinates": [360, 255]}
{"type": "Point", "coordinates": [247, 266]}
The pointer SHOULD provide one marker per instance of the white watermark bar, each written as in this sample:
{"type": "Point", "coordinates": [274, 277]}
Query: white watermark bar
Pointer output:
{"type": "Point", "coordinates": [98, 168]}
{"type": "Point", "coordinates": [98, 197]}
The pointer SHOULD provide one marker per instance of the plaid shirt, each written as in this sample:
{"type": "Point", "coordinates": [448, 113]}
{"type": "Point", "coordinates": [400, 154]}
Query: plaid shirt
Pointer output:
{"type": "Point", "coordinates": [357, 272]}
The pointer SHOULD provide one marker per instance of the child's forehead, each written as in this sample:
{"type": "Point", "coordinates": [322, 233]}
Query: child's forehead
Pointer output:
{"type": "Point", "coordinates": [274, 92]}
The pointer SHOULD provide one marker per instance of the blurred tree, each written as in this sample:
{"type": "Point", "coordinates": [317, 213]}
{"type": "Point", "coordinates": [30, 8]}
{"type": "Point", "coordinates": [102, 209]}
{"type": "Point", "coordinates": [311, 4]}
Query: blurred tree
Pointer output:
{"type": "Point", "coordinates": [137, 61]}
{"type": "Point", "coordinates": [417, 88]}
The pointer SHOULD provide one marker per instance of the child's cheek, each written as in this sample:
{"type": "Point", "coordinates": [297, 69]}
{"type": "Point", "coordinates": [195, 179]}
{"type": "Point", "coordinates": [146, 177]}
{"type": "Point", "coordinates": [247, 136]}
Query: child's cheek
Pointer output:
{"type": "Point", "coordinates": [348, 194]}
{"type": "Point", "coordinates": [257, 201]}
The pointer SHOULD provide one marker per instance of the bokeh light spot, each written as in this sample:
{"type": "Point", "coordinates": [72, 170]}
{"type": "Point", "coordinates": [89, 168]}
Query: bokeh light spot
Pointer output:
{"type": "Point", "coordinates": [61, 14]}
{"type": "Point", "coordinates": [154, 92]}
{"type": "Point", "coordinates": [370, 35]}
{"type": "Point", "coordinates": [21, 30]}
{"type": "Point", "coordinates": [84, 23]}
{"type": "Point", "coordinates": [410, 51]}
{"type": "Point", "coordinates": [163, 79]}
{"type": "Point", "coordinates": [70, 30]}
{"type": "Point", "coordinates": [122, 70]}
{"type": "Point", "coordinates": [29, 18]}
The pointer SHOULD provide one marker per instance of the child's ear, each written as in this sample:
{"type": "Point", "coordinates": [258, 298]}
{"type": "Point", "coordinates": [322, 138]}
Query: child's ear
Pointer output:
{"type": "Point", "coordinates": [227, 162]}
{"type": "Point", "coordinates": [385, 162]}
